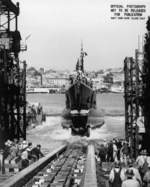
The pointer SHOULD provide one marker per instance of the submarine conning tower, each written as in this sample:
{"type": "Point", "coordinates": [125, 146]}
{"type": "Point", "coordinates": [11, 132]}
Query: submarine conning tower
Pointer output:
{"type": "Point", "coordinates": [80, 62]}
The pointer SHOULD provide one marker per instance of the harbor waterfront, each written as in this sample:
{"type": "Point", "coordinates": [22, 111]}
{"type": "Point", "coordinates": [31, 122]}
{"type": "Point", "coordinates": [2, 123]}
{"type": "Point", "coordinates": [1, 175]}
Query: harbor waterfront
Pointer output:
{"type": "Point", "coordinates": [53, 104]}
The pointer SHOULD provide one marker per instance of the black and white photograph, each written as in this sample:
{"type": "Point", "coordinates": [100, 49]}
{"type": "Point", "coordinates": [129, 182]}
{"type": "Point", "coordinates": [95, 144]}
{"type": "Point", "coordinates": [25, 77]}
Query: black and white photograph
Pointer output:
{"type": "Point", "coordinates": [74, 93]}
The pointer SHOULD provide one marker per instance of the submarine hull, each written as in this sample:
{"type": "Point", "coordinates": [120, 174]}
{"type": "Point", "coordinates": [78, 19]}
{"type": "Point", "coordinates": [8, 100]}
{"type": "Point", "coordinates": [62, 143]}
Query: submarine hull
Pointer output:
{"type": "Point", "coordinates": [80, 99]}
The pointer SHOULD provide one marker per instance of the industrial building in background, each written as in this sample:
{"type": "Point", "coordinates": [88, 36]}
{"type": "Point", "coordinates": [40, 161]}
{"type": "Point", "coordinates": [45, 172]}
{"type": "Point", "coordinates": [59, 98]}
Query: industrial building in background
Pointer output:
{"type": "Point", "coordinates": [12, 75]}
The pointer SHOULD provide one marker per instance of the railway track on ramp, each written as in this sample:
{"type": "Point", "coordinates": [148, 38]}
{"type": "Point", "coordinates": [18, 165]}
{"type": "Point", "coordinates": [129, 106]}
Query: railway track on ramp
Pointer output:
{"type": "Point", "coordinates": [68, 166]}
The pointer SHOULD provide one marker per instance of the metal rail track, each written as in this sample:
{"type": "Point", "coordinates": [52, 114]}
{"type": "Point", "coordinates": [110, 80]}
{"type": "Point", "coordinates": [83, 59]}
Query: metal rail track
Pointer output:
{"type": "Point", "coordinates": [68, 166]}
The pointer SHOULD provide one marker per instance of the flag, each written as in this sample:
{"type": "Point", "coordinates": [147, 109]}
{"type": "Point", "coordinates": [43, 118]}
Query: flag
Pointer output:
{"type": "Point", "coordinates": [27, 37]}
{"type": "Point", "coordinates": [85, 54]}
{"type": "Point", "coordinates": [77, 65]}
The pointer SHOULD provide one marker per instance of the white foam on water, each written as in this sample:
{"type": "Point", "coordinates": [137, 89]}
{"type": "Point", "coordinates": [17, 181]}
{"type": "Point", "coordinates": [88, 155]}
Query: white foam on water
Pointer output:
{"type": "Point", "coordinates": [61, 134]}
{"type": "Point", "coordinates": [100, 133]}
{"type": "Point", "coordinates": [52, 129]}
{"type": "Point", "coordinates": [52, 120]}
{"type": "Point", "coordinates": [115, 118]}
{"type": "Point", "coordinates": [65, 134]}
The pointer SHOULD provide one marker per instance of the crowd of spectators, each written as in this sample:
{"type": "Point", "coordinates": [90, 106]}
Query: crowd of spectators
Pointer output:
{"type": "Point", "coordinates": [21, 152]}
{"type": "Point", "coordinates": [125, 171]}
{"type": "Point", "coordinates": [114, 150]}
{"type": "Point", "coordinates": [33, 111]}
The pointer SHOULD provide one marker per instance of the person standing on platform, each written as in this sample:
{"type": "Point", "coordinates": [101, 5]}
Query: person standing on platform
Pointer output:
{"type": "Point", "coordinates": [125, 152]}
{"type": "Point", "coordinates": [36, 152]}
{"type": "Point", "coordinates": [119, 145]}
{"type": "Point", "coordinates": [102, 153]}
{"type": "Point", "coordinates": [116, 176]}
{"type": "Point", "coordinates": [146, 178]}
{"type": "Point", "coordinates": [115, 151]}
{"type": "Point", "coordinates": [131, 181]}
{"type": "Point", "coordinates": [142, 163]}
{"type": "Point", "coordinates": [137, 176]}
{"type": "Point", "coordinates": [110, 152]}
{"type": "Point", "coordinates": [24, 159]}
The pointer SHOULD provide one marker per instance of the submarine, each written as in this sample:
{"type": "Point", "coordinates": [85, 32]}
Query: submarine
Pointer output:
{"type": "Point", "coordinates": [80, 101]}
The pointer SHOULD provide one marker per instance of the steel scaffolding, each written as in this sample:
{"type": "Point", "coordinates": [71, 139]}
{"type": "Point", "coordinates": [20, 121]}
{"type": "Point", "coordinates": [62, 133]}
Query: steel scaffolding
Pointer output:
{"type": "Point", "coordinates": [12, 76]}
{"type": "Point", "coordinates": [133, 94]}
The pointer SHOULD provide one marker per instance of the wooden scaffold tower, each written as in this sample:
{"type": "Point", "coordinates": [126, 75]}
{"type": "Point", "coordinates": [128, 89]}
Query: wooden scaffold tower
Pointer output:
{"type": "Point", "coordinates": [133, 94]}
{"type": "Point", "coordinates": [12, 75]}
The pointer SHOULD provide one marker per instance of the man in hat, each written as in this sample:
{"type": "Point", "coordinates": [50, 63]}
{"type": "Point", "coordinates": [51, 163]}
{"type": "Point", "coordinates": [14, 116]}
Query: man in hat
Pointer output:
{"type": "Point", "coordinates": [142, 163]}
{"type": "Point", "coordinates": [125, 151]}
{"type": "Point", "coordinates": [141, 158]}
{"type": "Point", "coordinates": [137, 176]}
{"type": "Point", "coordinates": [110, 152]}
{"type": "Point", "coordinates": [36, 152]}
{"type": "Point", "coordinates": [24, 159]}
{"type": "Point", "coordinates": [146, 178]}
{"type": "Point", "coordinates": [131, 181]}
{"type": "Point", "coordinates": [24, 144]}
{"type": "Point", "coordinates": [116, 175]}
{"type": "Point", "coordinates": [115, 150]}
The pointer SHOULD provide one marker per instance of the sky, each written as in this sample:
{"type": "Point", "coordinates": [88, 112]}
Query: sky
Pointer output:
{"type": "Point", "coordinates": [56, 28]}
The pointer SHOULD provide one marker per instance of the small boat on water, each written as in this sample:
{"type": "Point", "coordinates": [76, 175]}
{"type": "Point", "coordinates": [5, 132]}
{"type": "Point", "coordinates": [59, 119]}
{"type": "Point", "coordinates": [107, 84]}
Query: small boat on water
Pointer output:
{"type": "Point", "coordinates": [37, 90]}
{"type": "Point", "coordinates": [117, 89]}
{"type": "Point", "coordinates": [80, 99]}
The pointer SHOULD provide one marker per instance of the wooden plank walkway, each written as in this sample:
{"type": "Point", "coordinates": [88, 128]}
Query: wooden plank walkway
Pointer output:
{"type": "Point", "coordinates": [90, 173]}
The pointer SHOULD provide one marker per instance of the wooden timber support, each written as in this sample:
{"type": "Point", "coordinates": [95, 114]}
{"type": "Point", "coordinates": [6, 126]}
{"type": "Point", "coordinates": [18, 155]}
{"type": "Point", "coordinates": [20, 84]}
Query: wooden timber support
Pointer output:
{"type": "Point", "coordinates": [133, 101]}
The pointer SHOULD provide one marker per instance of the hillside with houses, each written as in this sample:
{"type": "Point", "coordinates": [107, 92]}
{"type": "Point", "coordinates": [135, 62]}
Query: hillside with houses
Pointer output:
{"type": "Point", "coordinates": [51, 81]}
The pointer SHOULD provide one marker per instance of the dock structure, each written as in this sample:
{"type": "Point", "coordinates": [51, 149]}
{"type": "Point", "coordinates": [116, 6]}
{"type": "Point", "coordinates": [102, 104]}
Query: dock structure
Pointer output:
{"type": "Point", "coordinates": [12, 76]}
